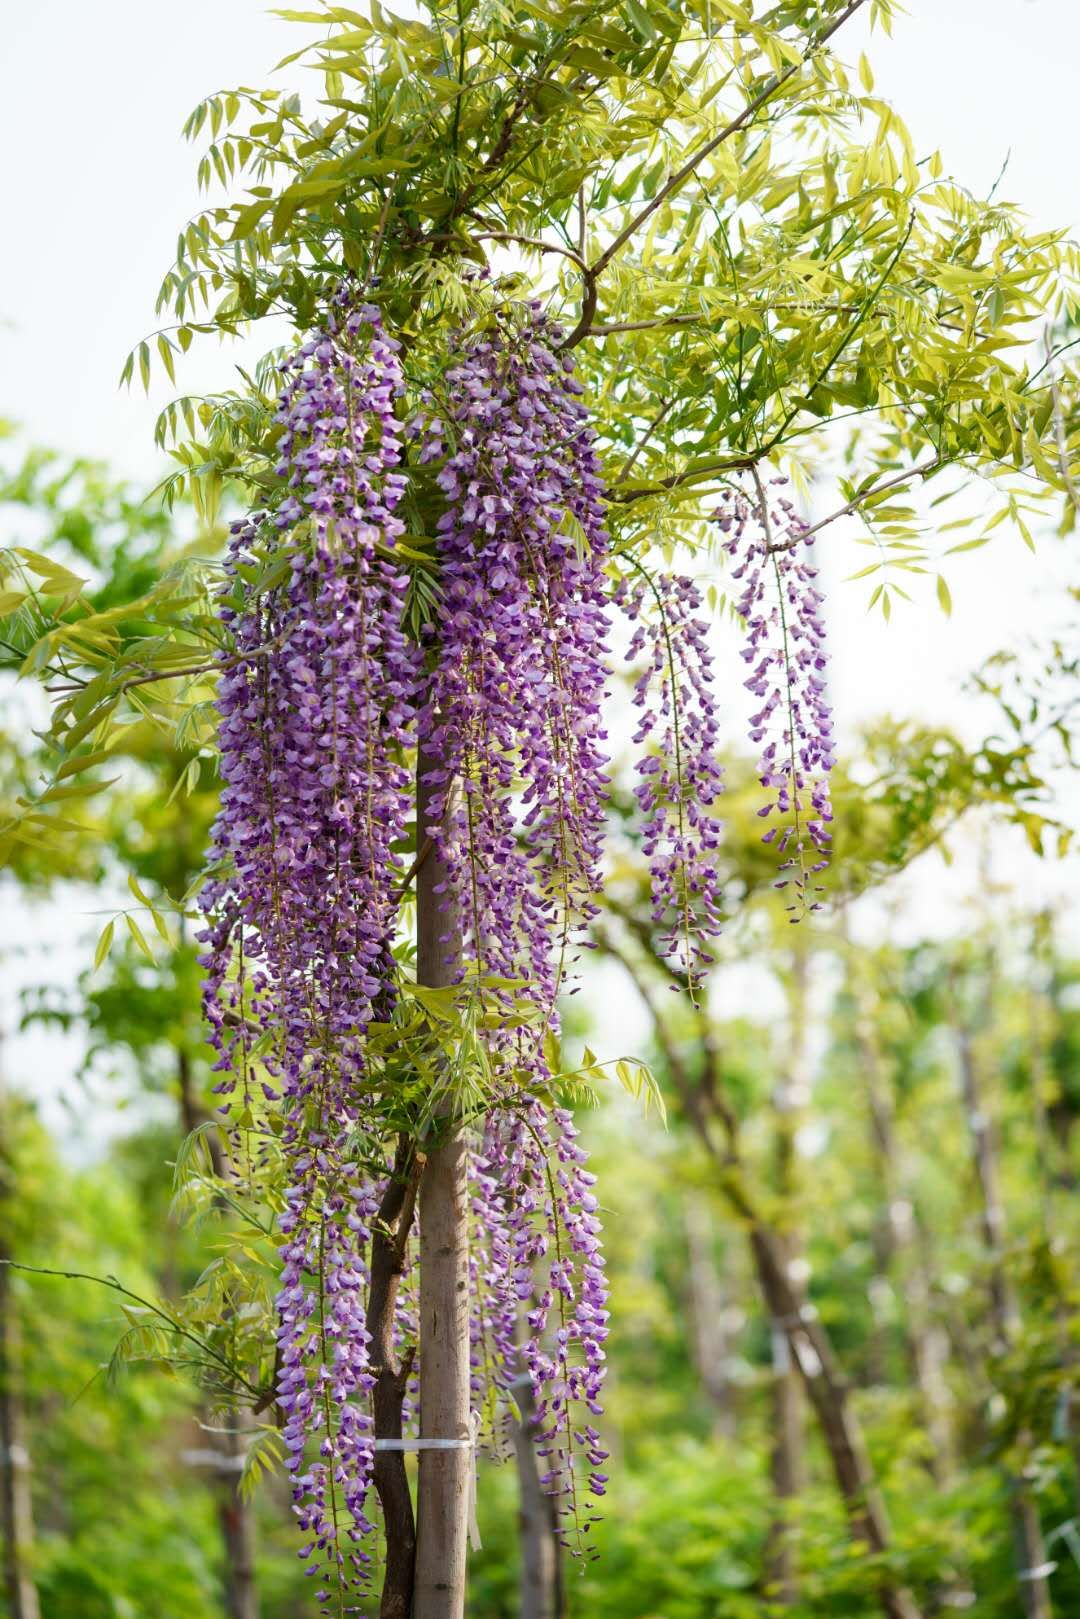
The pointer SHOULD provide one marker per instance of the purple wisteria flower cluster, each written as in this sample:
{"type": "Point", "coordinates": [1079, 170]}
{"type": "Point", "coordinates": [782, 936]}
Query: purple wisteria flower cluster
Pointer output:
{"type": "Point", "coordinates": [785, 647]}
{"type": "Point", "coordinates": [316, 705]}
{"type": "Point", "coordinates": [514, 713]}
{"type": "Point", "coordinates": [514, 718]}
{"type": "Point", "coordinates": [323, 700]}
{"type": "Point", "coordinates": [541, 1292]}
{"type": "Point", "coordinates": [681, 778]}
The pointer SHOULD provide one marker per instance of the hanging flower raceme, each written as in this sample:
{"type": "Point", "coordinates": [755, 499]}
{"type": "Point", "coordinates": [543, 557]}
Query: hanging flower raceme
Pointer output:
{"type": "Point", "coordinates": [514, 721]}
{"type": "Point", "coordinates": [316, 704]}
{"type": "Point", "coordinates": [514, 710]}
{"type": "Point", "coordinates": [541, 1294]}
{"type": "Point", "coordinates": [322, 697]}
{"type": "Point", "coordinates": [681, 778]}
{"type": "Point", "coordinates": [781, 608]}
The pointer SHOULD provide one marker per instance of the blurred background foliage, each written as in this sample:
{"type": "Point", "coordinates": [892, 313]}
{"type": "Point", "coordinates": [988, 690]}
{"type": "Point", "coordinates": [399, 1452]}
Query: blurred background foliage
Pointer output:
{"type": "Point", "coordinates": [864, 1095]}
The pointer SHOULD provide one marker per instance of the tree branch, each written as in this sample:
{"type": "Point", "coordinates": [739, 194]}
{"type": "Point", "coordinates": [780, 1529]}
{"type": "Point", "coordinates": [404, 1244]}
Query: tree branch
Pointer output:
{"type": "Point", "coordinates": [389, 1241]}
{"type": "Point", "coordinates": [767, 91]}
{"type": "Point", "coordinates": [923, 471]}
{"type": "Point", "coordinates": [628, 465]}
{"type": "Point", "coordinates": [731, 463]}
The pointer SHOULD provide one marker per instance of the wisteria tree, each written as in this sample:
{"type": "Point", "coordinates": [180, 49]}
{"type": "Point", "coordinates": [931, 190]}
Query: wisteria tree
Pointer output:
{"type": "Point", "coordinates": [574, 290]}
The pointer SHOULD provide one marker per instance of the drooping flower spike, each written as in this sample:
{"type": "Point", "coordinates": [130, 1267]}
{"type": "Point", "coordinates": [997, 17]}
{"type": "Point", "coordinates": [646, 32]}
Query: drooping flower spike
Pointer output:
{"type": "Point", "coordinates": [515, 720]}
{"type": "Point", "coordinates": [681, 778]}
{"type": "Point", "coordinates": [785, 646]}
{"type": "Point", "coordinates": [316, 706]}
{"type": "Point", "coordinates": [514, 714]}
{"type": "Point", "coordinates": [320, 696]}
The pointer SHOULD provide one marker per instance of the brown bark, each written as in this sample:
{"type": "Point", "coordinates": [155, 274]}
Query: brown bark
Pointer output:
{"type": "Point", "coordinates": [236, 1523]}
{"type": "Point", "coordinates": [786, 1469]}
{"type": "Point", "coordinates": [787, 1465]}
{"type": "Point", "coordinates": [827, 1393]}
{"type": "Point", "coordinates": [444, 1475]}
{"type": "Point", "coordinates": [388, 1247]}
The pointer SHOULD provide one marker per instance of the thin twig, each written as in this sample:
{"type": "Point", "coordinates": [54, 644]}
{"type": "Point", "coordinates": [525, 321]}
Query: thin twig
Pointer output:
{"type": "Point", "coordinates": [114, 1286]}
{"type": "Point", "coordinates": [682, 174]}
{"type": "Point", "coordinates": [533, 242]}
{"type": "Point", "coordinates": [731, 463]}
{"type": "Point", "coordinates": [665, 407]}
{"type": "Point", "coordinates": [923, 471]}
{"type": "Point", "coordinates": [425, 849]}
{"type": "Point", "coordinates": [611, 328]}
{"type": "Point", "coordinates": [215, 667]}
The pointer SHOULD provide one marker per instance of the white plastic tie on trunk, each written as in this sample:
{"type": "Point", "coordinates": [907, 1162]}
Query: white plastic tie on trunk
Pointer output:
{"type": "Point", "coordinates": [413, 1445]}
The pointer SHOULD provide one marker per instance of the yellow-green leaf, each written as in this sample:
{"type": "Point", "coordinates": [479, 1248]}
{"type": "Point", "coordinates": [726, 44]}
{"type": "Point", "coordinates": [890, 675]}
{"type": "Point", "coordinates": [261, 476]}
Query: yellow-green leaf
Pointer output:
{"type": "Point", "coordinates": [140, 938]}
{"type": "Point", "coordinates": [104, 944]}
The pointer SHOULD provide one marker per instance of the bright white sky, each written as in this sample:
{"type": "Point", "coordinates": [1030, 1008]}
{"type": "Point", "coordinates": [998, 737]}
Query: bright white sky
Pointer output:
{"type": "Point", "coordinates": [98, 181]}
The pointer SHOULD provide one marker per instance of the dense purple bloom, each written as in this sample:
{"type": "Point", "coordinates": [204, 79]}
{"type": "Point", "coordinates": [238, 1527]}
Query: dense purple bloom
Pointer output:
{"type": "Point", "coordinates": [514, 711]}
{"type": "Point", "coordinates": [541, 1286]}
{"type": "Point", "coordinates": [514, 718]}
{"type": "Point", "coordinates": [323, 700]}
{"type": "Point", "coordinates": [785, 646]}
{"type": "Point", "coordinates": [316, 705]}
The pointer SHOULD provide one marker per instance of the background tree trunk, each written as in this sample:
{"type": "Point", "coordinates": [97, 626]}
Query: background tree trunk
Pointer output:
{"type": "Point", "coordinates": [813, 1354]}
{"type": "Point", "coordinates": [706, 1107]}
{"type": "Point", "coordinates": [899, 1261]}
{"type": "Point", "coordinates": [16, 1504]}
{"type": "Point", "coordinates": [16, 1509]}
{"type": "Point", "coordinates": [1032, 1570]}
{"type": "Point", "coordinates": [787, 1465]}
{"type": "Point", "coordinates": [237, 1524]}
{"type": "Point", "coordinates": [708, 1325]}
{"type": "Point", "coordinates": [541, 1592]}
{"type": "Point", "coordinates": [388, 1245]}
{"type": "Point", "coordinates": [444, 1475]}
{"type": "Point", "coordinates": [235, 1515]}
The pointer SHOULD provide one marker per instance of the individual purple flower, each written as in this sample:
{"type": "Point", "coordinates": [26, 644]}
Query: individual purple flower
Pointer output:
{"type": "Point", "coordinates": [785, 646]}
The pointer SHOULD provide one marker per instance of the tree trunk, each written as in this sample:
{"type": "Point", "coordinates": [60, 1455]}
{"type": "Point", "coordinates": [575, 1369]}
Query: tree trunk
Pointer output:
{"type": "Point", "coordinates": [16, 1510]}
{"type": "Point", "coordinates": [1030, 1549]}
{"type": "Point", "coordinates": [786, 1472]}
{"type": "Point", "coordinates": [706, 1105]}
{"type": "Point", "coordinates": [388, 1245]}
{"type": "Point", "coordinates": [710, 1341]}
{"type": "Point", "coordinates": [786, 1462]}
{"type": "Point", "coordinates": [237, 1531]}
{"type": "Point", "coordinates": [898, 1258]}
{"type": "Point", "coordinates": [813, 1354]}
{"type": "Point", "coordinates": [444, 1475]}
{"type": "Point", "coordinates": [540, 1595]}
